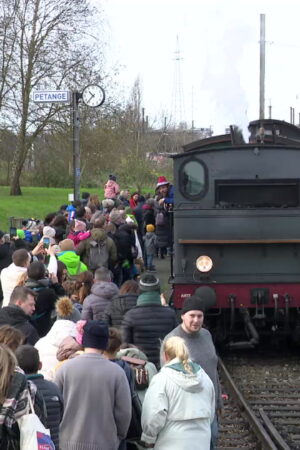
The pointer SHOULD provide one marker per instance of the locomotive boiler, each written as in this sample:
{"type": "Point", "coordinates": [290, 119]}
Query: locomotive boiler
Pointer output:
{"type": "Point", "coordinates": [237, 232]}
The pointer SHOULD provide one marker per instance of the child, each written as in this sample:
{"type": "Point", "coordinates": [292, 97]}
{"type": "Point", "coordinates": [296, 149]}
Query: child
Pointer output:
{"type": "Point", "coordinates": [29, 361]}
{"type": "Point", "coordinates": [150, 247]}
{"type": "Point", "coordinates": [78, 232]}
{"type": "Point", "coordinates": [111, 188]}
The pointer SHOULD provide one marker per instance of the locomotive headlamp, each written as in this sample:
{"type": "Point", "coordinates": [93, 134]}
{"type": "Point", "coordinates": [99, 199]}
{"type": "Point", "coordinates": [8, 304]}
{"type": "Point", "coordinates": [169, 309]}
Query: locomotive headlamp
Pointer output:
{"type": "Point", "coordinates": [204, 263]}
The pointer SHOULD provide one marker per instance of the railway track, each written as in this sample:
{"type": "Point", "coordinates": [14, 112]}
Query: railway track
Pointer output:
{"type": "Point", "coordinates": [263, 410]}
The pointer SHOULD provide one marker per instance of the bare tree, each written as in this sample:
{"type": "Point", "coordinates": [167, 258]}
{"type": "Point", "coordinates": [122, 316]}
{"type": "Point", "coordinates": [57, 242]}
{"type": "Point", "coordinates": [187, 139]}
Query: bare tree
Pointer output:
{"type": "Point", "coordinates": [50, 52]}
{"type": "Point", "coordinates": [8, 10]}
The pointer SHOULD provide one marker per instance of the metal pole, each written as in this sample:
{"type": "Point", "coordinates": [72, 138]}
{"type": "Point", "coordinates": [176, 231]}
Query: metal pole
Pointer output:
{"type": "Point", "coordinates": [143, 120]}
{"type": "Point", "coordinates": [262, 68]}
{"type": "Point", "coordinates": [76, 148]}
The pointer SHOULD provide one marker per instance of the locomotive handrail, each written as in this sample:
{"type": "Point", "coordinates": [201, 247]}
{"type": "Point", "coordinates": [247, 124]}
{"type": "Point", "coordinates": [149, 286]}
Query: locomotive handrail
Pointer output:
{"type": "Point", "coordinates": [239, 241]}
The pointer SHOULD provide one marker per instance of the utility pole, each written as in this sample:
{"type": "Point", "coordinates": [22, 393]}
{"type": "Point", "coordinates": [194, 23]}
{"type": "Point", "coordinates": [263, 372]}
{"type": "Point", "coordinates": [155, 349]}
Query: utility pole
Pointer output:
{"type": "Point", "coordinates": [76, 147]}
{"type": "Point", "coordinates": [262, 67]}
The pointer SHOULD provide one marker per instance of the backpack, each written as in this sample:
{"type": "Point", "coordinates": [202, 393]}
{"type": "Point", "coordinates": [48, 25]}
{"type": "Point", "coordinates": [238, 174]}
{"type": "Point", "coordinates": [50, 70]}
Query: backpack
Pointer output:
{"type": "Point", "coordinates": [98, 254]}
{"type": "Point", "coordinates": [141, 376]}
{"type": "Point", "coordinates": [160, 219]}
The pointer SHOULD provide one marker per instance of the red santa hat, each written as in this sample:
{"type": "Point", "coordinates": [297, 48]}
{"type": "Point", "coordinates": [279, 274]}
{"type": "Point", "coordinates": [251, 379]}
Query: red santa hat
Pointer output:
{"type": "Point", "coordinates": [161, 181]}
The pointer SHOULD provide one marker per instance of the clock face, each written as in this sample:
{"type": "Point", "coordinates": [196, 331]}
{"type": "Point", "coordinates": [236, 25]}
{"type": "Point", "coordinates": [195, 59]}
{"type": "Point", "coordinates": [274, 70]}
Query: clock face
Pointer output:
{"type": "Point", "coordinates": [93, 95]}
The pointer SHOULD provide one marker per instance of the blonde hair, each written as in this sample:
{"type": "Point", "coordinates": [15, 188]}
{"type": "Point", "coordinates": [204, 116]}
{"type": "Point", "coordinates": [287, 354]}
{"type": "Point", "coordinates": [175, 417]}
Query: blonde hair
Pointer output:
{"type": "Point", "coordinates": [8, 364]}
{"type": "Point", "coordinates": [174, 347]}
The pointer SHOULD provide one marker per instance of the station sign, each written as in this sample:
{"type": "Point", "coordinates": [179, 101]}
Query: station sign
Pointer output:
{"type": "Point", "coordinates": [51, 96]}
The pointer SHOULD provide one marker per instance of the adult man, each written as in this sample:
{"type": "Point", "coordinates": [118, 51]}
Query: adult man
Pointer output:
{"type": "Point", "coordinates": [201, 348]}
{"type": "Point", "coordinates": [97, 400]}
{"type": "Point", "coordinates": [102, 293]}
{"type": "Point", "coordinates": [10, 276]}
{"type": "Point", "coordinates": [147, 324]}
{"type": "Point", "coordinates": [18, 312]}
{"type": "Point", "coordinates": [99, 249]}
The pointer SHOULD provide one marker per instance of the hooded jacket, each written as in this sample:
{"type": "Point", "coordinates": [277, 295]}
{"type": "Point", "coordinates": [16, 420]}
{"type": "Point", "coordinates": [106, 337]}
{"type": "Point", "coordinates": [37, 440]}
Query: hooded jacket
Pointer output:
{"type": "Point", "coordinates": [49, 344]}
{"type": "Point", "coordinates": [72, 262]}
{"type": "Point", "coordinates": [118, 307]}
{"type": "Point", "coordinates": [95, 304]}
{"type": "Point", "coordinates": [178, 408]}
{"type": "Point", "coordinates": [99, 235]}
{"type": "Point", "coordinates": [111, 189]}
{"type": "Point", "coordinates": [44, 304]}
{"type": "Point", "coordinates": [15, 316]}
{"type": "Point", "coordinates": [9, 280]}
{"type": "Point", "coordinates": [150, 243]}
{"type": "Point", "coordinates": [125, 240]}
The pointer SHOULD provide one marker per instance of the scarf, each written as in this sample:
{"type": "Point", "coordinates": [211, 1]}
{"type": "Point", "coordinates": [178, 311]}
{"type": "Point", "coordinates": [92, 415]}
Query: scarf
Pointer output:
{"type": "Point", "coordinates": [149, 298]}
{"type": "Point", "coordinates": [14, 406]}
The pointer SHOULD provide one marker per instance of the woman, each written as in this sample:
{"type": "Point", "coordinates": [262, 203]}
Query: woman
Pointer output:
{"type": "Point", "coordinates": [14, 392]}
{"type": "Point", "coordinates": [127, 298]}
{"type": "Point", "coordinates": [11, 337]}
{"type": "Point", "coordinates": [82, 288]}
{"type": "Point", "coordinates": [179, 405]}
{"type": "Point", "coordinates": [48, 345]}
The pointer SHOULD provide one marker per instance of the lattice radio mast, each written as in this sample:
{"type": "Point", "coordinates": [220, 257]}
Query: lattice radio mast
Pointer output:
{"type": "Point", "coordinates": [178, 108]}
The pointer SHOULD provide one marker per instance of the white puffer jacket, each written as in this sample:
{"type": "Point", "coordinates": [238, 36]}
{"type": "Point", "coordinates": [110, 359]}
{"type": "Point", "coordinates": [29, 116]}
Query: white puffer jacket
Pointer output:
{"type": "Point", "coordinates": [178, 409]}
{"type": "Point", "coordinates": [48, 346]}
{"type": "Point", "coordinates": [10, 276]}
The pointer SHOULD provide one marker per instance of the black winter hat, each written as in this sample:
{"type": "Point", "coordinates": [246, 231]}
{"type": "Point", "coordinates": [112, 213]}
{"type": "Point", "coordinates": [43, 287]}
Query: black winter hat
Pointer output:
{"type": "Point", "coordinates": [95, 334]}
{"type": "Point", "coordinates": [193, 303]}
{"type": "Point", "coordinates": [149, 282]}
{"type": "Point", "coordinates": [112, 177]}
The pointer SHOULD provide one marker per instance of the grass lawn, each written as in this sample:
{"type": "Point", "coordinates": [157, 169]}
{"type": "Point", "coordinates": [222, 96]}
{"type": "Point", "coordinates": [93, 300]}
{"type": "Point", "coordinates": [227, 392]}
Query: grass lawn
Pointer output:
{"type": "Point", "coordinates": [35, 202]}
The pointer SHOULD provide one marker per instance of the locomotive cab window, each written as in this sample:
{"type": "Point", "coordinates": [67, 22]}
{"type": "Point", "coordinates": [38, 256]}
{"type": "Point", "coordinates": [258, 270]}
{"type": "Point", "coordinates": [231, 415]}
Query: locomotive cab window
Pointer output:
{"type": "Point", "coordinates": [193, 179]}
{"type": "Point", "coordinates": [257, 193]}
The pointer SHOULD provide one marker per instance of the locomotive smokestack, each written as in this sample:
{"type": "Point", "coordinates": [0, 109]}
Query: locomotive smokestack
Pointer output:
{"type": "Point", "coordinates": [262, 68]}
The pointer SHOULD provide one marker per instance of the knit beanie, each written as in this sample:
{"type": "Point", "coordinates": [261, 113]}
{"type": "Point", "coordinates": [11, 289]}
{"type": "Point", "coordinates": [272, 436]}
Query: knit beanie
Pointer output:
{"type": "Point", "coordinates": [49, 232]}
{"type": "Point", "coordinates": [66, 311]}
{"type": "Point", "coordinates": [192, 303]}
{"type": "Point", "coordinates": [149, 282]}
{"type": "Point", "coordinates": [150, 227]}
{"type": "Point", "coordinates": [95, 334]}
{"type": "Point", "coordinates": [79, 226]}
{"type": "Point", "coordinates": [66, 244]}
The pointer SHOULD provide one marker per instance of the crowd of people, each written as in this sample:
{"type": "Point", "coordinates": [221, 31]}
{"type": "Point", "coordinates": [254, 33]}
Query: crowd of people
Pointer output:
{"type": "Point", "coordinates": [86, 334]}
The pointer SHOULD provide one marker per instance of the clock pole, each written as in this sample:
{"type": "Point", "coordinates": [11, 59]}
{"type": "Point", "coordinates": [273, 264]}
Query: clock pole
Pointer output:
{"type": "Point", "coordinates": [76, 148]}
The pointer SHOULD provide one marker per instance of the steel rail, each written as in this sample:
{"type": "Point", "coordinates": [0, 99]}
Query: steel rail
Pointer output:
{"type": "Point", "coordinates": [255, 424]}
{"type": "Point", "coordinates": [282, 445]}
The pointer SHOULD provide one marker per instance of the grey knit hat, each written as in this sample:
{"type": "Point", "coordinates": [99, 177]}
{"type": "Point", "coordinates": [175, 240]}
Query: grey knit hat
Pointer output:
{"type": "Point", "coordinates": [149, 282]}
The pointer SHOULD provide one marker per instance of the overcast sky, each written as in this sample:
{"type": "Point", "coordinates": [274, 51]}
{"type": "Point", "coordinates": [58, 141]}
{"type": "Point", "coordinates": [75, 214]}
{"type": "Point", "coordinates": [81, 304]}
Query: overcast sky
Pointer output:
{"type": "Point", "coordinates": [219, 47]}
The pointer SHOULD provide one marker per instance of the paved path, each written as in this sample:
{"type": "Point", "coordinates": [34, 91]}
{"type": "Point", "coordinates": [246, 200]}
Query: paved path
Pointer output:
{"type": "Point", "coordinates": [163, 273]}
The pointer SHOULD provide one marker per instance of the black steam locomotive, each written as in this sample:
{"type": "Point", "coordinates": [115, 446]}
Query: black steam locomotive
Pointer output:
{"type": "Point", "coordinates": [237, 232]}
